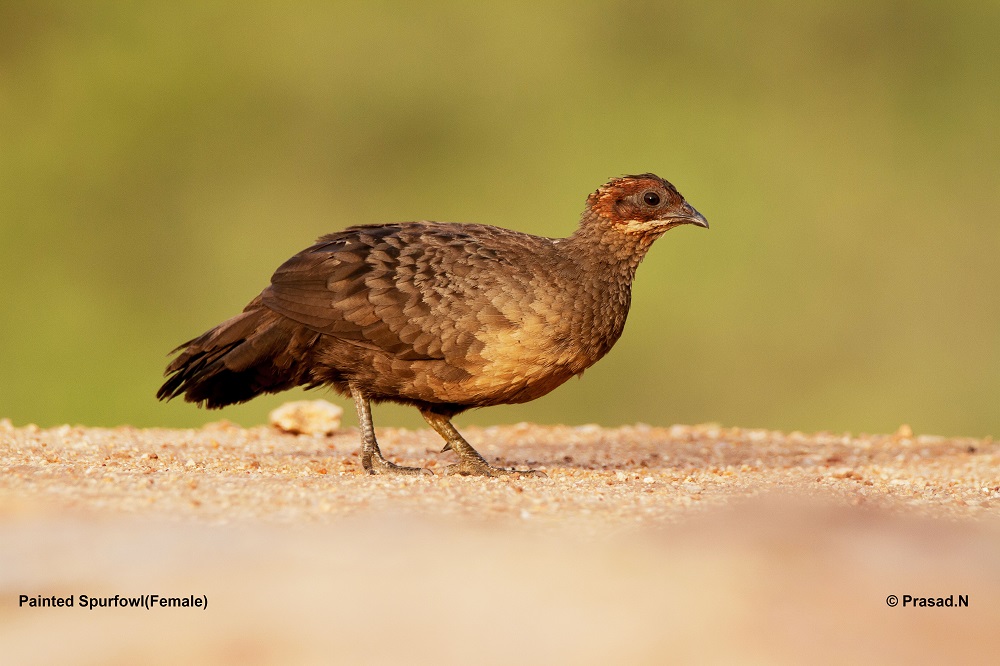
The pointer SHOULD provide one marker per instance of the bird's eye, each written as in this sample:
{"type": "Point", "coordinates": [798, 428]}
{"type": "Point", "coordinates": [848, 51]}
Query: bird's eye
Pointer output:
{"type": "Point", "coordinates": [651, 198]}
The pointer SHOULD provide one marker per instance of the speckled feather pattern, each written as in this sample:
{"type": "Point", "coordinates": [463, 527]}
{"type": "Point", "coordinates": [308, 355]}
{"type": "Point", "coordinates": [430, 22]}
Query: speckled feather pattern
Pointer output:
{"type": "Point", "coordinates": [443, 316]}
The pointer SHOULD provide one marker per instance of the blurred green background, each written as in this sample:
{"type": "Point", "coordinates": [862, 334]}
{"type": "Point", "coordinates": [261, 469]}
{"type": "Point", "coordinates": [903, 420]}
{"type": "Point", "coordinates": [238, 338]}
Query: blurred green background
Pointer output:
{"type": "Point", "coordinates": [158, 160]}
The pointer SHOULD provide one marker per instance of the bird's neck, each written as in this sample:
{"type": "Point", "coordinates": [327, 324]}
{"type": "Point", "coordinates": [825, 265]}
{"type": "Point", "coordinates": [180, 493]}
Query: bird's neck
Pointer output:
{"type": "Point", "coordinates": [612, 255]}
{"type": "Point", "coordinates": [605, 261]}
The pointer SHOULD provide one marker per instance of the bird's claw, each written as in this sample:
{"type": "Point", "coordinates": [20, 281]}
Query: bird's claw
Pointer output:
{"type": "Point", "coordinates": [384, 467]}
{"type": "Point", "coordinates": [476, 468]}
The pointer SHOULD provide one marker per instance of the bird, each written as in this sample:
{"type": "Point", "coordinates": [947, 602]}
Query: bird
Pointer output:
{"type": "Point", "coordinates": [441, 316]}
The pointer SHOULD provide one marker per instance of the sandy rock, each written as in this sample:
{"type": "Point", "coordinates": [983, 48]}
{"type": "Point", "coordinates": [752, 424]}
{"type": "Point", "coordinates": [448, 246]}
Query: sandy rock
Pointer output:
{"type": "Point", "coordinates": [307, 417]}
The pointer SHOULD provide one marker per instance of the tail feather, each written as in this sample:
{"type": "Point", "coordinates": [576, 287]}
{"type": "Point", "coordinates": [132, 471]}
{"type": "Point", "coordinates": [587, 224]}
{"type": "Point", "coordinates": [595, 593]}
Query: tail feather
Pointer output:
{"type": "Point", "coordinates": [257, 351]}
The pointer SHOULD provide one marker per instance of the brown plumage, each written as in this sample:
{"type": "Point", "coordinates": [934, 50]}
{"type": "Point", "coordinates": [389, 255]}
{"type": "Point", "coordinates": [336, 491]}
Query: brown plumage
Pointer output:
{"type": "Point", "coordinates": [441, 316]}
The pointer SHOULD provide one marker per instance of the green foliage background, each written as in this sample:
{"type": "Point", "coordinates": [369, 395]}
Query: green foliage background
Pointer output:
{"type": "Point", "coordinates": [159, 159]}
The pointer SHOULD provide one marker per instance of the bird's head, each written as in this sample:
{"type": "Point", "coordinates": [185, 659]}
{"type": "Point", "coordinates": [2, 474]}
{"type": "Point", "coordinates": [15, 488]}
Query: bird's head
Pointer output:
{"type": "Point", "coordinates": [643, 204]}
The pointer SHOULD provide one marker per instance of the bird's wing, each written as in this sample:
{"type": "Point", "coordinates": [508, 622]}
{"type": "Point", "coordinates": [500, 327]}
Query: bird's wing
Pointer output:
{"type": "Point", "coordinates": [376, 287]}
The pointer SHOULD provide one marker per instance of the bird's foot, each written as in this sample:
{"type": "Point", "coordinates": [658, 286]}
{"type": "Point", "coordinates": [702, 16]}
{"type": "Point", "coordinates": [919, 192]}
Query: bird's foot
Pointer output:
{"type": "Point", "coordinates": [379, 465]}
{"type": "Point", "coordinates": [483, 468]}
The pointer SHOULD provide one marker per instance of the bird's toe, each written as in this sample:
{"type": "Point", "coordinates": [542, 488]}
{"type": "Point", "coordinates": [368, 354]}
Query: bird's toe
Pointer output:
{"type": "Point", "coordinates": [475, 468]}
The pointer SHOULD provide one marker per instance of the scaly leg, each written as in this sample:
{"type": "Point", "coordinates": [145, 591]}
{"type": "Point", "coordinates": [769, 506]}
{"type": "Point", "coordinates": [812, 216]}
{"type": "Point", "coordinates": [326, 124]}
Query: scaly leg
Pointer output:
{"type": "Point", "coordinates": [371, 457]}
{"type": "Point", "coordinates": [471, 463]}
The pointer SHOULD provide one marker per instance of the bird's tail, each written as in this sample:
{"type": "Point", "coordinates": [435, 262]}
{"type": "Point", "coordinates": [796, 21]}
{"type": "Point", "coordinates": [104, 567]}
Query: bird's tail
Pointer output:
{"type": "Point", "coordinates": [257, 351]}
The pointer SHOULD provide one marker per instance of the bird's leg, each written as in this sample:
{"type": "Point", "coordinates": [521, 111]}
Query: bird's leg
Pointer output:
{"type": "Point", "coordinates": [371, 457]}
{"type": "Point", "coordinates": [471, 463]}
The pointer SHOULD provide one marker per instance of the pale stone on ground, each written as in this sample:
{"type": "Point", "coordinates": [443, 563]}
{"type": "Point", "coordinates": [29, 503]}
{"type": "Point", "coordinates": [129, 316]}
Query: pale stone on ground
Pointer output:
{"type": "Point", "coordinates": [307, 417]}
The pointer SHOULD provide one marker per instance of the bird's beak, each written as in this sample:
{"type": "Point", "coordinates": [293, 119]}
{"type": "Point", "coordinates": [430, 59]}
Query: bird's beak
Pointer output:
{"type": "Point", "coordinates": [688, 215]}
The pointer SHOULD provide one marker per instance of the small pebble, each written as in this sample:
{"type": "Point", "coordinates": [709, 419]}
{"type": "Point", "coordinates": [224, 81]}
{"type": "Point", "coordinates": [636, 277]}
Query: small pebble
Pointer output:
{"type": "Point", "coordinates": [307, 417]}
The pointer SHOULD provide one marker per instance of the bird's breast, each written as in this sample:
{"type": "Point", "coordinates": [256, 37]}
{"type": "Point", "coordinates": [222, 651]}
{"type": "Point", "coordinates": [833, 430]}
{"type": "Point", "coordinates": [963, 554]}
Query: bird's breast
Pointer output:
{"type": "Point", "coordinates": [557, 334]}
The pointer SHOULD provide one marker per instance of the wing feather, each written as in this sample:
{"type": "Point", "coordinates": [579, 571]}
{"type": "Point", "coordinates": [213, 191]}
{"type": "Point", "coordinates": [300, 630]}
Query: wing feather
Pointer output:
{"type": "Point", "coordinates": [358, 286]}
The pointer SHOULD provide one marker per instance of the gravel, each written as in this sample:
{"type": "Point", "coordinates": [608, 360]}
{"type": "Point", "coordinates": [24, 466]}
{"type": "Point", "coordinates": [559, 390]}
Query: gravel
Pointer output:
{"type": "Point", "coordinates": [688, 543]}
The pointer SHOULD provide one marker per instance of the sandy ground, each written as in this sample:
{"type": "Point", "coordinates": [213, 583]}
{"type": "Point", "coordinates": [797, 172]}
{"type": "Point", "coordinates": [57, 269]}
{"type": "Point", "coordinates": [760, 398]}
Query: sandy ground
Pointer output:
{"type": "Point", "coordinates": [644, 545]}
